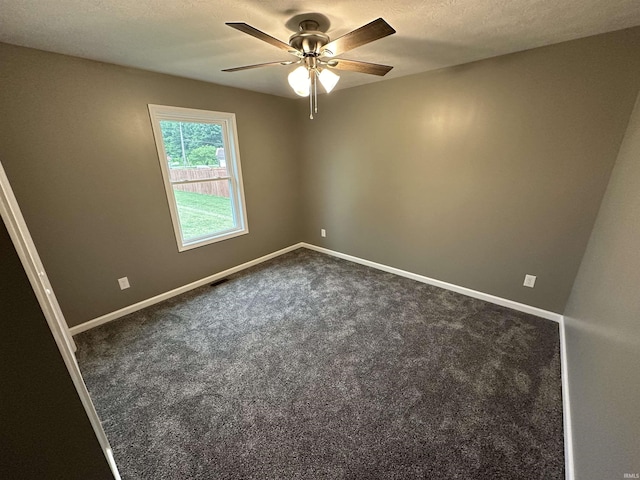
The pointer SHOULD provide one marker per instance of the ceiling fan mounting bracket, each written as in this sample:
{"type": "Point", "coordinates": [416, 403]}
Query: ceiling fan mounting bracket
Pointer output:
{"type": "Point", "coordinates": [308, 39]}
{"type": "Point", "coordinates": [308, 25]}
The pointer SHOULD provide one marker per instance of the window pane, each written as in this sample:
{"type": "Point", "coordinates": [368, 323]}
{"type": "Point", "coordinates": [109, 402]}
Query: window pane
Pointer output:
{"type": "Point", "coordinates": [204, 208]}
{"type": "Point", "coordinates": [200, 163]}
{"type": "Point", "coordinates": [194, 150]}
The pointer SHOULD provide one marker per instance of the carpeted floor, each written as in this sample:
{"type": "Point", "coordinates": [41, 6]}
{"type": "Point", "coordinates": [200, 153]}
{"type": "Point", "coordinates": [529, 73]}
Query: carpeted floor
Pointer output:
{"type": "Point", "coordinates": [311, 367]}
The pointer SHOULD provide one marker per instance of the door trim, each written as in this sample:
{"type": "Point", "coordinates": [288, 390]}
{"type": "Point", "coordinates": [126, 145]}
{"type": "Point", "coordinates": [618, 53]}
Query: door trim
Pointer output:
{"type": "Point", "coordinates": [21, 238]}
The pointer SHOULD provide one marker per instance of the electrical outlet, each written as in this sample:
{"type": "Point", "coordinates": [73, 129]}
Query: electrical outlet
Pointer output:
{"type": "Point", "coordinates": [323, 232]}
{"type": "Point", "coordinates": [529, 281]}
{"type": "Point", "coordinates": [124, 283]}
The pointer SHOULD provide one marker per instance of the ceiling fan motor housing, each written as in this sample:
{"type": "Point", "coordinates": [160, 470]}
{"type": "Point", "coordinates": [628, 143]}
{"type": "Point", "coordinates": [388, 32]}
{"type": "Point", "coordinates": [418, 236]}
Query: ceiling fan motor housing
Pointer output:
{"type": "Point", "coordinates": [309, 40]}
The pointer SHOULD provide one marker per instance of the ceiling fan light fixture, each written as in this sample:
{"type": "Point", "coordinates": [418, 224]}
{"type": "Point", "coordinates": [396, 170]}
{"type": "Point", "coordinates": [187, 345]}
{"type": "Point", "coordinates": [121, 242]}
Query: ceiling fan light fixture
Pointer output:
{"type": "Point", "coordinates": [299, 81]}
{"type": "Point", "coordinates": [328, 79]}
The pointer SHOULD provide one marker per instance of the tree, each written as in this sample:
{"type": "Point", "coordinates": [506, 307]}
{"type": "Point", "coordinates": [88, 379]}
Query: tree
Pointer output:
{"type": "Point", "coordinates": [204, 155]}
{"type": "Point", "coordinates": [182, 139]}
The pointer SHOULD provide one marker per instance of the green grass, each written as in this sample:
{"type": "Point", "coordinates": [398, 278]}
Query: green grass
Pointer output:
{"type": "Point", "coordinates": [203, 214]}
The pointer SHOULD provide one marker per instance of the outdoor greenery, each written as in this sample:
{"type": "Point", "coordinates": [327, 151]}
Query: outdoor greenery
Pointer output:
{"type": "Point", "coordinates": [202, 214]}
{"type": "Point", "coordinates": [189, 143]}
{"type": "Point", "coordinates": [204, 155]}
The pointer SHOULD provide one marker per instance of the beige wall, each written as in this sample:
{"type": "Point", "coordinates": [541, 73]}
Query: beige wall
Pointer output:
{"type": "Point", "coordinates": [603, 328]}
{"type": "Point", "coordinates": [78, 149]}
{"type": "Point", "coordinates": [479, 174]}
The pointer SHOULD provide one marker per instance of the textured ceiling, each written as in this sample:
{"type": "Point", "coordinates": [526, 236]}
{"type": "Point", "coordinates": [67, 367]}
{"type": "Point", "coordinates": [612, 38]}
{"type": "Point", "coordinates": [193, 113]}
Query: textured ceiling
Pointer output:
{"type": "Point", "coordinates": [189, 38]}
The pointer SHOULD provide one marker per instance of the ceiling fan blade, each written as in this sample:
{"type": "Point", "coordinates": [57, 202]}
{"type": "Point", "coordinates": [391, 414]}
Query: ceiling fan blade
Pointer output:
{"type": "Point", "coordinates": [254, 32]}
{"type": "Point", "coordinates": [362, 67]}
{"type": "Point", "coordinates": [258, 65]}
{"type": "Point", "coordinates": [361, 36]}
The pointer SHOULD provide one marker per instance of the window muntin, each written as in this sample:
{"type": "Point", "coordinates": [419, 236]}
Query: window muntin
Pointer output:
{"type": "Point", "coordinates": [200, 163]}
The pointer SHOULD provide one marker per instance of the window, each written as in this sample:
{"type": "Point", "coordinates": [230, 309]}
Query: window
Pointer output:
{"type": "Point", "coordinates": [198, 153]}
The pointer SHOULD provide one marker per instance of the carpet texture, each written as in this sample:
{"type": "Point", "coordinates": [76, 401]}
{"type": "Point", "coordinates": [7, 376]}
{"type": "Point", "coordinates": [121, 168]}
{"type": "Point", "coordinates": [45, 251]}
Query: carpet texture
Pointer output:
{"type": "Point", "coordinates": [311, 367]}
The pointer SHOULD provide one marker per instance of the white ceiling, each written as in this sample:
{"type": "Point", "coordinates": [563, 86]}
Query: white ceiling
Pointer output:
{"type": "Point", "coordinates": [189, 38]}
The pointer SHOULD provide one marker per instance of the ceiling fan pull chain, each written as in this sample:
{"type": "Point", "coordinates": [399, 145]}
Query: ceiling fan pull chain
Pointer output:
{"type": "Point", "coordinates": [315, 90]}
{"type": "Point", "coordinates": [310, 100]}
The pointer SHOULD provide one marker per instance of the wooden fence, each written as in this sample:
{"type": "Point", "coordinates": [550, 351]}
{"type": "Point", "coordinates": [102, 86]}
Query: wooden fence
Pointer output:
{"type": "Point", "coordinates": [219, 188]}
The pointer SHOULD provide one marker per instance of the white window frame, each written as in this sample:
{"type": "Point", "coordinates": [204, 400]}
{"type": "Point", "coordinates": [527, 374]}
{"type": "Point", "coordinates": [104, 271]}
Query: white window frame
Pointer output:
{"type": "Point", "coordinates": [158, 113]}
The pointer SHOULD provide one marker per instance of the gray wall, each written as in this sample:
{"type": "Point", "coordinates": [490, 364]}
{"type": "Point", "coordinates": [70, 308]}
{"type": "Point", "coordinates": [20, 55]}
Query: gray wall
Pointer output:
{"type": "Point", "coordinates": [478, 174]}
{"type": "Point", "coordinates": [603, 328]}
{"type": "Point", "coordinates": [78, 149]}
{"type": "Point", "coordinates": [474, 175]}
{"type": "Point", "coordinates": [45, 432]}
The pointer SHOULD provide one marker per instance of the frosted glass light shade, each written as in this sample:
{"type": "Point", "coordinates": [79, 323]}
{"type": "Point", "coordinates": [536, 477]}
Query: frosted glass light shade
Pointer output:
{"type": "Point", "coordinates": [328, 79]}
{"type": "Point", "coordinates": [299, 81]}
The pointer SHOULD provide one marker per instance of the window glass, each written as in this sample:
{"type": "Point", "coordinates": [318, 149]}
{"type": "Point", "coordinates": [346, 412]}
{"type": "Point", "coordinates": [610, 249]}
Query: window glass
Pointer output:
{"type": "Point", "coordinates": [198, 153]}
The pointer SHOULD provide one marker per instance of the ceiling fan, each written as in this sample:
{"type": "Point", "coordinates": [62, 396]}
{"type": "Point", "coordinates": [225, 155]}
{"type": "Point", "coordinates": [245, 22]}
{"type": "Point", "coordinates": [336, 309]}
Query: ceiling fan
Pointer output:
{"type": "Point", "coordinates": [317, 55]}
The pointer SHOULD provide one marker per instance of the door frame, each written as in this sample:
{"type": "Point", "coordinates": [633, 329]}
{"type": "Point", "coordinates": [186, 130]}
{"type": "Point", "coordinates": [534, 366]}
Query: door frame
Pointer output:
{"type": "Point", "coordinates": [26, 249]}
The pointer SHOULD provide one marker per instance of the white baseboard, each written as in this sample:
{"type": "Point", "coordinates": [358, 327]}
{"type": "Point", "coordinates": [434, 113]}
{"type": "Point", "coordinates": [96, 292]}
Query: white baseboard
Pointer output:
{"type": "Point", "coordinates": [566, 406]}
{"type": "Point", "coordinates": [83, 327]}
{"type": "Point", "coordinates": [556, 317]}
{"type": "Point", "coordinates": [521, 307]}
{"type": "Point", "coordinates": [403, 273]}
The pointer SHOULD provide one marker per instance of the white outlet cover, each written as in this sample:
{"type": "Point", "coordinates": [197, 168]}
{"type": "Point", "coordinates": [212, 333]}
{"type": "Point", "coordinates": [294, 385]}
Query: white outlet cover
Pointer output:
{"type": "Point", "coordinates": [323, 232]}
{"type": "Point", "coordinates": [529, 281]}
{"type": "Point", "coordinates": [124, 283]}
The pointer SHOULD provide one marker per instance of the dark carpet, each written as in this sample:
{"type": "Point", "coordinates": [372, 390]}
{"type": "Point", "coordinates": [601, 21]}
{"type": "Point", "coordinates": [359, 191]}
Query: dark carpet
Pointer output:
{"type": "Point", "coordinates": [311, 367]}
